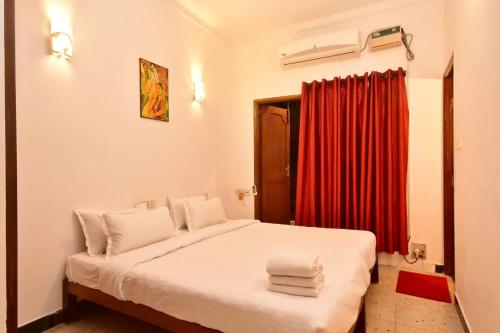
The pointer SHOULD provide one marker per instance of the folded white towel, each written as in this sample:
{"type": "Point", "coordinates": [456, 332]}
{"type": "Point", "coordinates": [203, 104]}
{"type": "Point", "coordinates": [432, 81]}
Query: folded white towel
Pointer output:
{"type": "Point", "coordinates": [293, 264]}
{"type": "Point", "coordinates": [312, 282]}
{"type": "Point", "coordinates": [297, 291]}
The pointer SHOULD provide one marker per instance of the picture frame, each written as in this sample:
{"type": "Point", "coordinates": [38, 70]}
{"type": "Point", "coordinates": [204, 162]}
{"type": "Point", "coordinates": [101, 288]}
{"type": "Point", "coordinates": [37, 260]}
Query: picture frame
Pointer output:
{"type": "Point", "coordinates": [154, 91]}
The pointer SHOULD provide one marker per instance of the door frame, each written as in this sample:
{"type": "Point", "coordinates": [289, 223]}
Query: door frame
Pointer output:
{"type": "Point", "coordinates": [448, 172]}
{"type": "Point", "coordinates": [10, 165]}
{"type": "Point", "coordinates": [257, 104]}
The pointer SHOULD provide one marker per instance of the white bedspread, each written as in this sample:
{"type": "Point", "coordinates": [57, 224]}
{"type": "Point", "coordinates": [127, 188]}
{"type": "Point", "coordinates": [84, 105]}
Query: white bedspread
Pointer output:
{"type": "Point", "coordinates": [216, 277]}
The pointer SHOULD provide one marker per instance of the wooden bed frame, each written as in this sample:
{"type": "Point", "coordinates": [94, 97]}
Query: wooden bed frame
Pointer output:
{"type": "Point", "coordinates": [74, 292]}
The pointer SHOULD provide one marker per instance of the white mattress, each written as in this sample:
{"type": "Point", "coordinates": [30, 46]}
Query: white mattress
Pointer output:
{"type": "Point", "coordinates": [216, 277]}
{"type": "Point", "coordinates": [84, 269]}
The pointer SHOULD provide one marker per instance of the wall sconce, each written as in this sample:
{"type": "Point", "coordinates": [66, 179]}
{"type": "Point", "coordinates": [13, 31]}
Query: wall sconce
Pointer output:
{"type": "Point", "coordinates": [62, 44]}
{"type": "Point", "coordinates": [61, 32]}
{"type": "Point", "coordinates": [199, 91]}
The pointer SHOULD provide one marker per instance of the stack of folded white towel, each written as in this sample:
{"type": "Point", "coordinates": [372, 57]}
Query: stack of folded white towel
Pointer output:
{"type": "Point", "coordinates": [295, 273]}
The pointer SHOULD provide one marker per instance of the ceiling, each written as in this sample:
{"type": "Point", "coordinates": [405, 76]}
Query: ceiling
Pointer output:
{"type": "Point", "coordinates": [233, 18]}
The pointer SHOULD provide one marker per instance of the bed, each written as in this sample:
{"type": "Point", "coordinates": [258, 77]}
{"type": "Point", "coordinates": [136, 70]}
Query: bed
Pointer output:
{"type": "Point", "coordinates": [214, 280]}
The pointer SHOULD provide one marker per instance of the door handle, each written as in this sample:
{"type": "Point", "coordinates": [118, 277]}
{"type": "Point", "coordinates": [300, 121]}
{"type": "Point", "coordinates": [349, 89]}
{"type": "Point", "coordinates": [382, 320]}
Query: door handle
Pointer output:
{"type": "Point", "coordinates": [287, 170]}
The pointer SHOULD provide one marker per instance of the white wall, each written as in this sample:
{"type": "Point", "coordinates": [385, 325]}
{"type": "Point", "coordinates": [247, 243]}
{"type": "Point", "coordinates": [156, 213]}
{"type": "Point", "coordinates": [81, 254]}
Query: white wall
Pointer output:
{"type": "Point", "coordinates": [256, 73]}
{"type": "Point", "coordinates": [3, 296]}
{"type": "Point", "coordinates": [477, 158]}
{"type": "Point", "coordinates": [81, 142]}
{"type": "Point", "coordinates": [425, 166]}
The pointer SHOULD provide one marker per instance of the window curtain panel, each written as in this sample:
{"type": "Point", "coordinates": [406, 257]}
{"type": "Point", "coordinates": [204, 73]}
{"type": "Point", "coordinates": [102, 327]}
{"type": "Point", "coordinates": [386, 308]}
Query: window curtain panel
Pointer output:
{"type": "Point", "coordinates": [353, 157]}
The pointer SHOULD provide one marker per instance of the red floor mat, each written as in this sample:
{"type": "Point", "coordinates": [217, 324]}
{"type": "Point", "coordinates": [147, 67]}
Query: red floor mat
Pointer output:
{"type": "Point", "coordinates": [423, 285]}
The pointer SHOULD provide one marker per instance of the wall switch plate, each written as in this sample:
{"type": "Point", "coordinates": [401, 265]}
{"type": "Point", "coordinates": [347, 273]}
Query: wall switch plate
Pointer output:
{"type": "Point", "coordinates": [151, 204]}
{"type": "Point", "coordinates": [242, 193]}
{"type": "Point", "coordinates": [422, 250]}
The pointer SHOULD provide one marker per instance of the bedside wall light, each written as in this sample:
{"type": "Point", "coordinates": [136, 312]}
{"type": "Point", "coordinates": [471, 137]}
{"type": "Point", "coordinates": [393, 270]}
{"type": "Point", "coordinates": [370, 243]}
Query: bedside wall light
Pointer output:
{"type": "Point", "coordinates": [62, 44]}
{"type": "Point", "coordinates": [199, 91]}
{"type": "Point", "coordinates": [61, 32]}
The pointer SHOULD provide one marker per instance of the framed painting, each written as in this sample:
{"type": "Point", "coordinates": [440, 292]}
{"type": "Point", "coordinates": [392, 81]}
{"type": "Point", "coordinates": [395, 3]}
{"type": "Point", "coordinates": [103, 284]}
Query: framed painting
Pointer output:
{"type": "Point", "coordinates": [154, 91]}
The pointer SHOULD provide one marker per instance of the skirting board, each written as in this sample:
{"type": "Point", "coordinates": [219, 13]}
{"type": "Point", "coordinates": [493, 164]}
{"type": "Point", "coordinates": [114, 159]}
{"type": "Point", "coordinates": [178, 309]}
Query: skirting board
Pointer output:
{"type": "Point", "coordinates": [43, 323]}
{"type": "Point", "coordinates": [463, 320]}
{"type": "Point", "coordinates": [50, 320]}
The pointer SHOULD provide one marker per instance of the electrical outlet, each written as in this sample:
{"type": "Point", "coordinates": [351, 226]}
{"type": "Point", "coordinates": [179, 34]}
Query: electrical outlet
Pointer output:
{"type": "Point", "coordinates": [420, 248]}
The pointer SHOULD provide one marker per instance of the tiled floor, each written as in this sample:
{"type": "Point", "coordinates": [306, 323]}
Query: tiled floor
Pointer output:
{"type": "Point", "coordinates": [386, 311]}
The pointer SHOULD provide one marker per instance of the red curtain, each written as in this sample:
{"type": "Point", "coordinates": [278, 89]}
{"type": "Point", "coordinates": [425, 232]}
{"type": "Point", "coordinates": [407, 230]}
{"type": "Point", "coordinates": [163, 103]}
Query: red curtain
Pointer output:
{"type": "Point", "coordinates": [353, 156]}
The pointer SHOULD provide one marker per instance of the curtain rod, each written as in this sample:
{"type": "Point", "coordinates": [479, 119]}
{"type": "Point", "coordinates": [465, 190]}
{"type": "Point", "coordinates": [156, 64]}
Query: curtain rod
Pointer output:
{"type": "Point", "coordinates": [385, 74]}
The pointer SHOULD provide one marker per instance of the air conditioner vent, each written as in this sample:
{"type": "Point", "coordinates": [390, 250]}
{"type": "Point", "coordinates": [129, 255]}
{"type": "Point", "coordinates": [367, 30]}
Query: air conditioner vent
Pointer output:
{"type": "Point", "coordinates": [322, 45]}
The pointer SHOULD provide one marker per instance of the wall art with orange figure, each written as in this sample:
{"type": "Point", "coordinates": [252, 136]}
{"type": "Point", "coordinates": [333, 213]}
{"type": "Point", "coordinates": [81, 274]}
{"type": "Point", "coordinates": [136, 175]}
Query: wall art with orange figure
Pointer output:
{"type": "Point", "coordinates": [154, 91]}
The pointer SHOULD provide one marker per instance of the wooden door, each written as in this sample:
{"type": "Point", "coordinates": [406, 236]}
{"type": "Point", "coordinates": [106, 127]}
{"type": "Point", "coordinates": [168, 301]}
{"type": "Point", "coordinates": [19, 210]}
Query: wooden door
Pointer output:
{"type": "Point", "coordinates": [448, 175]}
{"type": "Point", "coordinates": [274, 146]}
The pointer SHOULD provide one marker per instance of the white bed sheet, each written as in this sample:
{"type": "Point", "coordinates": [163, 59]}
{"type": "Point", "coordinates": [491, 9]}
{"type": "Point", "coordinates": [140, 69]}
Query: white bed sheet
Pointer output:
{"type": "Point", "coordinates": [216, 277]}
{"type": "Point", "coordinates": [84, 269]}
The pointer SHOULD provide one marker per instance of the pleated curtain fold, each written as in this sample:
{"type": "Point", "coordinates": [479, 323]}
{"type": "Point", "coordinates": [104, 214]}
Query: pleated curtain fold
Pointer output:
{"type": "Point", "coordinates": [353, 156]}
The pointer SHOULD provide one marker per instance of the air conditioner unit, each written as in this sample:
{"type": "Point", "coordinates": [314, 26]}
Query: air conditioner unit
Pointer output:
{"type": "Point", "coordinates": [314, 46]}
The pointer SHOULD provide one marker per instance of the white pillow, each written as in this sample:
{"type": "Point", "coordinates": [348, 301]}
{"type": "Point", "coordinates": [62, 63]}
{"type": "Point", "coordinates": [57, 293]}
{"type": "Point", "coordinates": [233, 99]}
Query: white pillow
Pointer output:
{"type": "Point", "coordinates": [93, 227]}
{"type": "Point", "coordinates": [177, 210]}
{"type": "Point", "coordinates": [131, 231]}
{"type": "Point", "coordinates": [201, 214]}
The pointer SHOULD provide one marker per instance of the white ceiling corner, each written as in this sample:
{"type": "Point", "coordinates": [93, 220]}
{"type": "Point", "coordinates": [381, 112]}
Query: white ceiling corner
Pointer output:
{"type": "Point", "coordinates": [232, 19]}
